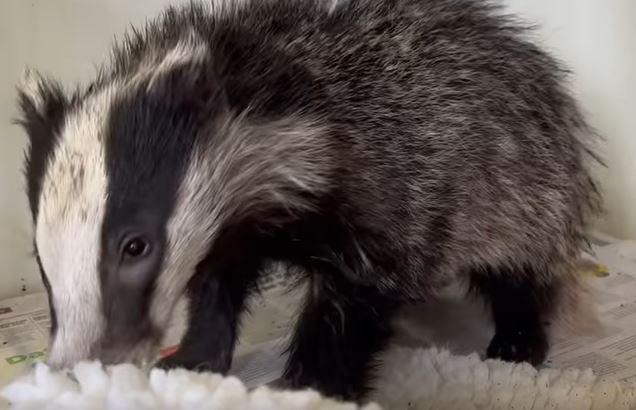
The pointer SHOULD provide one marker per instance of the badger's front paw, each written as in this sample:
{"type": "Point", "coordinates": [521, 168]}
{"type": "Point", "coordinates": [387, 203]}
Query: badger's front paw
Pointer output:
{"type": "Point", "coordinates": [174, 361]}
{"type": "Point", "coordinates": [181, 361]}
{"type": "Point", "coordinates": [519, 346]}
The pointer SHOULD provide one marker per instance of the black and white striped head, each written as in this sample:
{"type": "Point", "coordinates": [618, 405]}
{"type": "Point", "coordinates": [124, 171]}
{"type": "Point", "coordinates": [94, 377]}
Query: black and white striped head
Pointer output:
{"type": "Point", "coordinates": [129, 183]}
{"type": "Point", "coordinates": [112, 230]}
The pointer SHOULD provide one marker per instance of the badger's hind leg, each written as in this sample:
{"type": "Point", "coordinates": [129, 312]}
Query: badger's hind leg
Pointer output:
{"type": "Point", "coordinates": [522, 304]}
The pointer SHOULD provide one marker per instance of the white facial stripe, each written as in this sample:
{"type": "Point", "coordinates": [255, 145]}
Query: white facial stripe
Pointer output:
{"type": "Point", "coordinates": [251, 166]}
{"type": "Point", "coordinates": [227, 7]}
{"type": "Point", "coordinates": [68, 233]}
{"type": "Point", "coordinates": [333, 5]}
{"type": "Point", "coordinates": [189, 49]}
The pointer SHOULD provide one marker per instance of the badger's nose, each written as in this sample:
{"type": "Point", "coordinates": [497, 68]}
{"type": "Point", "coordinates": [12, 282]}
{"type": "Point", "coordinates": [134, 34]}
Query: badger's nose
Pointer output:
{"type": "Point", "coordinates": [140, 354]}
{"type": "Point", "coordinates": [64, 354]}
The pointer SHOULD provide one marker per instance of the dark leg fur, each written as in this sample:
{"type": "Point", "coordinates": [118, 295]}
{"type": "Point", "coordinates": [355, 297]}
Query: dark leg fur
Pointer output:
{"type": "Point", "coordinates": [218, 293]}
{"type": "Point", "coordinates": [520, 307]}
{"type": "Point", "coordinates": [340, 330]}
{"type": "Point", "coordinates": [208, 343]}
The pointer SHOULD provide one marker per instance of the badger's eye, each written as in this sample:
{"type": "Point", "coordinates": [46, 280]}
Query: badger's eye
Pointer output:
{"type": "Point", "coordinates": [135, 247]}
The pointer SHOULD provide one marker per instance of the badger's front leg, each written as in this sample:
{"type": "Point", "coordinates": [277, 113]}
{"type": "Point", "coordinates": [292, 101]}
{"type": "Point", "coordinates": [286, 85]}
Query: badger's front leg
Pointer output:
{"type": "Point", "coordinates": [216, 301]}
{"type": "Point", "coordinates": [340, 330]}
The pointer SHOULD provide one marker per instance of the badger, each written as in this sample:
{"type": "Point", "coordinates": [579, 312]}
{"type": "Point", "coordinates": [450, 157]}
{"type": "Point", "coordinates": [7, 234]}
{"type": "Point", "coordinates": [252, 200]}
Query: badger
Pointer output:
{"type": "Point", "coordinates": [381, 148]}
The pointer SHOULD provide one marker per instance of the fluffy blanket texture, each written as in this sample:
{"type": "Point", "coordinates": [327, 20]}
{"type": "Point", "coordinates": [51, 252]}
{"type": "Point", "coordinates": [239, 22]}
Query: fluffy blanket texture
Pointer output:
{"type": "Point", "coordinates": [415, 379]}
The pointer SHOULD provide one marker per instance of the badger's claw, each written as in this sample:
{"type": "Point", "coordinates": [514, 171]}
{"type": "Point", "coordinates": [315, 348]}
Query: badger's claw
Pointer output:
{"type": "Point", "coordinates": [177, 361]}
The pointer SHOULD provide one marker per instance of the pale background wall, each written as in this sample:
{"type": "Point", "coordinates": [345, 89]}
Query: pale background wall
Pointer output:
{"type": "Point", "coordinates": [65, 38]}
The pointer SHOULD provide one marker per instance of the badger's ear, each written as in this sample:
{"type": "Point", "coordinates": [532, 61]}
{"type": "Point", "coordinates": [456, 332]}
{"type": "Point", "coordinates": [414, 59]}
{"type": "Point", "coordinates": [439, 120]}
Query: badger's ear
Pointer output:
{"type": "Point", "coordinates": [41, 103]}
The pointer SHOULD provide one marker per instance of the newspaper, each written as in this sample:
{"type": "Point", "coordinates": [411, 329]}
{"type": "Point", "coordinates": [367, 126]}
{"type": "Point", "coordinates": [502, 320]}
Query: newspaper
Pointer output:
{"type": "Point", "coordinates": [260, 354]}
{"type": "Point", "coordinates": [24, 327]}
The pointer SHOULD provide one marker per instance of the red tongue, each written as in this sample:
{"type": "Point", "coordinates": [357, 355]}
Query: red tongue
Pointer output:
{"type": "Point", "coordinates": [167, 351]}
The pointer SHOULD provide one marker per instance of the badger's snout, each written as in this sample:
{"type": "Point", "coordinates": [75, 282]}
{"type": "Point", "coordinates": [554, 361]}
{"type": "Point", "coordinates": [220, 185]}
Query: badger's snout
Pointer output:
{"type": "Point", "coordinates": [135, 346]}
{"type": "Point", "coordinates": [67, 347]}
{"type": "Point", "coordinates": [143, 353]}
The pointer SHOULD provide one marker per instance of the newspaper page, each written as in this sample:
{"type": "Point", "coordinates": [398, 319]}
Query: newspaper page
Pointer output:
{"type": "Point", "coordinates": [24, 327]}
{"type": "Point", "coordinates": [260, 353]}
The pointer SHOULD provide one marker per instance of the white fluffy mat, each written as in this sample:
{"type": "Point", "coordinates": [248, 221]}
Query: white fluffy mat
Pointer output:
{"type": "Point", "coordinates": [416, 379]}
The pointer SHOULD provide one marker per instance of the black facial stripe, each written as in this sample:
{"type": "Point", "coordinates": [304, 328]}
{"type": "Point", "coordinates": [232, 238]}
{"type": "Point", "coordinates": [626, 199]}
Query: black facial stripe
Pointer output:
{"type": "Point", "coordinates": [148, 143]}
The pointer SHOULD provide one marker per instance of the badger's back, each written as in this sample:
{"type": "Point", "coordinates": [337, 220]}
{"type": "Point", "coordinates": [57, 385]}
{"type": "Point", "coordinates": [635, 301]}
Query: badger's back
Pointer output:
{"type": "Point", "coordinates": [455, 142]}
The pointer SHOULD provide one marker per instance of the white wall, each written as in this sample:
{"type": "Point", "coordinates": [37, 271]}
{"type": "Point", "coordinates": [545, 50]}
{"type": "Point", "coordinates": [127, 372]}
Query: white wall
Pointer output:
{"type": "Point", "coordinates": [66, 38]}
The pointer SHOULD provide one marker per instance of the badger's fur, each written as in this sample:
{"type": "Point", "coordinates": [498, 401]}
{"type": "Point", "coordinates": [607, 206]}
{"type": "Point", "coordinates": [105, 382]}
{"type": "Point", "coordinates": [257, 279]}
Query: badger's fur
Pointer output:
{"type": "Point", "coordinates": [384, 147]}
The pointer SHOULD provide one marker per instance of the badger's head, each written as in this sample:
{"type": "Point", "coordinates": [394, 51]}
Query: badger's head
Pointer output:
{"type": "Point", "coordinates": [130, 182]}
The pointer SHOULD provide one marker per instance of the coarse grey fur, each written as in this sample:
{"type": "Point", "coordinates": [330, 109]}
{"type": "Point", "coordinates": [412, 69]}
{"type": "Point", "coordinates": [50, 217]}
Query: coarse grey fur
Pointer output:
{"type": "Point", "coordinates": [436, 140]}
